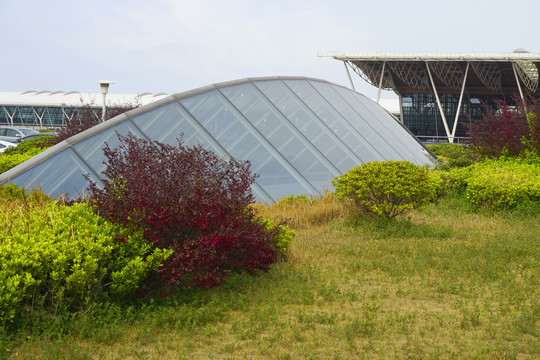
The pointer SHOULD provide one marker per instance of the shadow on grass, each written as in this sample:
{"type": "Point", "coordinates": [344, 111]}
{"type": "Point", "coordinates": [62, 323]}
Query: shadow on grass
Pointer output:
{"type": "Point", "coordinates": [402, 228]}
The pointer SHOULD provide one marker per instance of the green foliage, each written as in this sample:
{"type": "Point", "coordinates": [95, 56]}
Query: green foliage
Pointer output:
{"type": "Point", "coordinates": [59, 257]}
{"type": "Point", "coordinates": [283, 236]}
{"type": "Point", "coordinates": [12, 194]}
{"type": "Point", "coordinates": [452, 155]}
{"type": "Point", "coordinates": [531, 142]}
{"type": "Point", "coordinates": [41, 142]}
{"type": "Point", "coordinates": [387, 189]}
{"type": "Point", "coordinates": [23, 151]}
{"type": "Point", "coordinates": [291, 199]}
{"type": "Point", "coordinates": [499, 184]}
{"type": "Point", "coordinates": [8, 161]}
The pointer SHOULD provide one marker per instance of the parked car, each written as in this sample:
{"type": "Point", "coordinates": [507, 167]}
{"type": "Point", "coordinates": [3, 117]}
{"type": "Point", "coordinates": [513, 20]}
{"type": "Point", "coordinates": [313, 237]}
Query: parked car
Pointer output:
{"type": "Point", "coordinates": [15, 134]}
{"type": "Point", "coordinates": [5, 145]}
{"type": "Point", "coordinates": [33, 136]}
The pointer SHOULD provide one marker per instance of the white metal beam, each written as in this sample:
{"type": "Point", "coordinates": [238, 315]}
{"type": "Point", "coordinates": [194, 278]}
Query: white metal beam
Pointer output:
{"type": "Point", "coordinates": [349, 75]}
{"type": "Point", "coordinates": [380, 82]}
{"type": "Point", "coordinates": [439, 103]}
{"type": "Point", "coordinates": [517, 81]}
{"type": "Point", "coordinates": [451, 139]}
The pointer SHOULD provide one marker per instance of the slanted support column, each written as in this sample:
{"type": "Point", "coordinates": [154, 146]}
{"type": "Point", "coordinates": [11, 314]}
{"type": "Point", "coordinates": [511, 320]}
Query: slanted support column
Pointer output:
{"type": "Point", "coordinates": [380, 82]}
{"type": "Point", "coordinates": [349, 75]}
{"type": "Point", "coordinates": [451, 139]}
{"type": "Point", "coordinates": [401, 109]}
{"type": "Point", "coordinates": [517, 81]}
{"type": "Point", "coordinates": [438, 103]}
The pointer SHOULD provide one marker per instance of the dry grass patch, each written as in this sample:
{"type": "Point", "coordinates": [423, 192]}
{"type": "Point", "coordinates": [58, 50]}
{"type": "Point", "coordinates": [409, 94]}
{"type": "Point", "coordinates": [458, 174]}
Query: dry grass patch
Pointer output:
{"type": "Point", "coordinates": [304, 212]}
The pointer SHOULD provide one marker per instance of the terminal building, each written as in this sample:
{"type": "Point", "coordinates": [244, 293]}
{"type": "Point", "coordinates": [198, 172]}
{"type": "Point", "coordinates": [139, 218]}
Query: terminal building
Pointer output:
{"type": "Point", "coordinates": [47, 109]}
{"type": "Point", "coordinates": [439, 93]}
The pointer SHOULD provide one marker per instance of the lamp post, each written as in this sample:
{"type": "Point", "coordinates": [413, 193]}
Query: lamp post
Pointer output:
{"type": "Point", "coordinates": [104, 86]}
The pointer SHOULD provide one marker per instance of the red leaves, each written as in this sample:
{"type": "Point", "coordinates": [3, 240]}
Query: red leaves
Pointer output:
{"type": "Point", "coordinates": [190, 200]}
{"type": "Point", "coordinates": [504, 127]}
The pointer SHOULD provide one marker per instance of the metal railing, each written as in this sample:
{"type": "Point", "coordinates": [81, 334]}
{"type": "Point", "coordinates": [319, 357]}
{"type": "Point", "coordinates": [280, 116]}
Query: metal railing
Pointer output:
{"type": "Point", "coordinates": [425, 139]}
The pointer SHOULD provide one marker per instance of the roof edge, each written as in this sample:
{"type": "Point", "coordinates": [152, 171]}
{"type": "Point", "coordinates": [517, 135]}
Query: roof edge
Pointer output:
{"type": "Point", "coordinates": [421, 56]}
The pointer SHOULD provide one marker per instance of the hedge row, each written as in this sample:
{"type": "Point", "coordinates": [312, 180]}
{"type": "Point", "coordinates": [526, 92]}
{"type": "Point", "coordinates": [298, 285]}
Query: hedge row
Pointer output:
{"type": "Point", "coordinates": [498, 184]}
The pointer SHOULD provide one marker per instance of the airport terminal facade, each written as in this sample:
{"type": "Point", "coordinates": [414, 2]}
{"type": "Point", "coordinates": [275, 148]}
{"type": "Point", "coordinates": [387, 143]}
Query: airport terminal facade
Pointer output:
{"type": "Point", "coordinates": [46, 109]}
{"type": "Point", "coordinates": [439, 93]}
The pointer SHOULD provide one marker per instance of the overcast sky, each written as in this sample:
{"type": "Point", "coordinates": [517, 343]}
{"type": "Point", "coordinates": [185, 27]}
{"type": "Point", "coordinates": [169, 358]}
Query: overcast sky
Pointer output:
{"type": "Point", "coordinates": [175, 45]}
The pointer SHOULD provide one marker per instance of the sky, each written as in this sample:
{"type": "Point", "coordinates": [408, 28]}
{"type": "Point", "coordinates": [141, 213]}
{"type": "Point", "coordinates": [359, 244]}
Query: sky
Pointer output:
{"type": "Point", "coordinates": [171, 46]}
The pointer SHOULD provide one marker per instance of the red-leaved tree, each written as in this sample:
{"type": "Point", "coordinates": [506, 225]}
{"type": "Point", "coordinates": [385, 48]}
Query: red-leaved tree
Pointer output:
{"type": "Point", "coordinates": [505, 127]}
{"type": "Point", "coordinates": [190, 200]}
{"type": "Point", "coordinates": [85, 117]}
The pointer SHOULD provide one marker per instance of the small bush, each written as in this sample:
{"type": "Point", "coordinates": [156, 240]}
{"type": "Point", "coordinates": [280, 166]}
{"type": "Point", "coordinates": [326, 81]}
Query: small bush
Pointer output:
{"type": "Point", "coordinates": [283, 236]}
{"type": "Point", "coordinates": [452, 155]}
{"type": "Point", "coordinates": [8, 161]}
{"type": "Point", "coordinates": [189, 200]}
{"type": "Point", "coordinates": [23, 151]}
{"type": "Point", "coordinates": [387, 189]}
{"type": "Point", "coordinates": [41, 142]}
{"type": "Point", "coordinates": [57, 257]}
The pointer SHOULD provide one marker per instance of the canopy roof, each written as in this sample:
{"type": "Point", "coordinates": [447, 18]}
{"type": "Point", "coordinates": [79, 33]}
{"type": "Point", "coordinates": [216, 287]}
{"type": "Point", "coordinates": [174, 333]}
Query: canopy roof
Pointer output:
{"type": "Point", "coordinates": [488, 73]}
{"type": "Point", "coordinates": [73, 98]}
{"type": "Point", "coordinates": [298, 133]}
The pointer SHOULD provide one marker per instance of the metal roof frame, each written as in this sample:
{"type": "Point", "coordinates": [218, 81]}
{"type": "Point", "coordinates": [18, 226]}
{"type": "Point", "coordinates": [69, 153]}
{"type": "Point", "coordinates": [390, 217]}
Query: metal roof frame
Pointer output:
{"type": "Point", "coordinates": [446, 73]}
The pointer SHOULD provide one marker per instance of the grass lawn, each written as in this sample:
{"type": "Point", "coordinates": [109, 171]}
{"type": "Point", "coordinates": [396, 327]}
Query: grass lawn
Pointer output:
{"type": "Point", "coordinates": [444, 282]}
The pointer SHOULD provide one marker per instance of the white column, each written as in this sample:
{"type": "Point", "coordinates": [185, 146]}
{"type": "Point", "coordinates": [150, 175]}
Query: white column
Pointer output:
{"type": "Point", "coordinates": [380, 82]}
{"type": "Point", "coordinates": [439, 103]}
{"type": "Point", "coordinates": [517, 81]}
{"type": "Point", "coordinates": [349, 75]}
{"type": "Point", "coordinates": [401, 109]}
{"type": "Point", "coordinates": [459, 105]}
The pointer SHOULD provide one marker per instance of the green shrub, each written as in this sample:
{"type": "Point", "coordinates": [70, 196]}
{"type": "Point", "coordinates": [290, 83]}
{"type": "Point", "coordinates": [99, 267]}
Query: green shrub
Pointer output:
{"type": "Point", "coordinates": [452, 155]}
{"type": "Point", "coordinates": [41, 142]}
{"type": "Point", "coordinates": [8, 161]}
{"type": "Point", "coordinates": [283, 236]}
{"type": "Point", "coordinates": [60, 257]}
{"type": "Point", "coordinates": [503, 184]}
{"type": "Point", "coordinates": [498, 184]}
{"type": "Point", "coordinates": [458, 178]}
{"type": "Point", "coordinates": [13, 194]}
{"type": "Point", "coordinates": [291, 199]}
{"type": "Point", "coordinates": [23, 151]}
{"type": "Point", "coordinates": [387, 189]}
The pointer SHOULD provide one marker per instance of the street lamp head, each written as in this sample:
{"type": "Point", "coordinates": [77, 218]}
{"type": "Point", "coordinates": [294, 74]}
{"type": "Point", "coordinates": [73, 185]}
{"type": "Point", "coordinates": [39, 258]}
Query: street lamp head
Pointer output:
{"type": "Point", "coordinates": [104, 85]}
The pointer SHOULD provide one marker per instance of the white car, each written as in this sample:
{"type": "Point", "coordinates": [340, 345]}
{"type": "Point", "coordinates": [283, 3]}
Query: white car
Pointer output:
{"type": "Point", "coordinates": [5, 144]}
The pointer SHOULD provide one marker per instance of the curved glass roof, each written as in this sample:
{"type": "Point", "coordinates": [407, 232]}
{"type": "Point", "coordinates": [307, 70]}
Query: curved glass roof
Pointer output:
{"type": "Point", "coordinates": [298, 133]}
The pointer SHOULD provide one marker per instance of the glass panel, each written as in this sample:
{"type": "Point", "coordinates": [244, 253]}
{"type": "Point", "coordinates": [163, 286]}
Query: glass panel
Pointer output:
{"type": "Point", "coordinates": [393, 126]}
{"type": "Point", "coordinates": [91, 149]}
{"type": "Point", "coordinates": [383, 150]}
{"type": "Point", "coordinates": [222, 122]}
{"type": "Point", "coordinates": [241, 141]}
{"type": "Point", "coordinates": [164, 124]}
{"type": "Point", "coordinates": [278, 182]}
{"type": "Point", "coordinates": [385, 124]}
{"type": "Point", "coordinates": [278, 131]}
{"type": "Point", "coordinates": [333, 120]}
{"type": "Point", "coordinates": [60, 174]}
{"type": "Point", "coordinates": [306, 122]}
